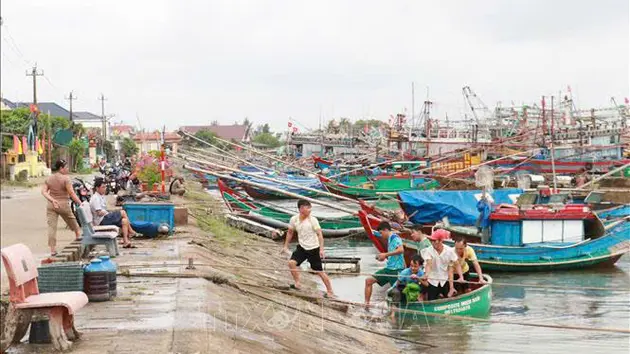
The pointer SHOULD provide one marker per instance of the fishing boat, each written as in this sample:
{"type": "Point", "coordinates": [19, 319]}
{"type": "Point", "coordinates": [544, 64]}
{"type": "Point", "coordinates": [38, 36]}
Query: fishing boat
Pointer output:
{"type": "Point", "coordinates": [538, 239]}
{"type": "Point", "coordinates": [279, 218]}
{"type": "Point", "coordinates": [475, 303]}
{"type": "Point", "coordinates": [379, 186]}
{"type": "Point", "coordinates": [265, 194]}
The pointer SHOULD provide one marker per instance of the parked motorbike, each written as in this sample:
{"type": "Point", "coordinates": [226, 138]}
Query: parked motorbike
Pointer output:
{"type": "Point", "coordinates": [115, 177]}
{"type": "Point", "coordinates": [83, 190]}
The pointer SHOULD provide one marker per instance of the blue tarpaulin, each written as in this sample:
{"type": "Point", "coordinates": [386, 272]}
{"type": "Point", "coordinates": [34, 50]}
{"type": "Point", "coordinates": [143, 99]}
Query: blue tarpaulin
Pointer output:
{"type": "Point", "coordinates": [459, 206]}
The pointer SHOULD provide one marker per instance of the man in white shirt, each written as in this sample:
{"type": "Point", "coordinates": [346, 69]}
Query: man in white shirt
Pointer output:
{"type": "Point", "coordinates": [439, 262]}
{"type": "Point", "coordinates": [101, 216]}
{"type": "Point", "coordinates": [310, 245]}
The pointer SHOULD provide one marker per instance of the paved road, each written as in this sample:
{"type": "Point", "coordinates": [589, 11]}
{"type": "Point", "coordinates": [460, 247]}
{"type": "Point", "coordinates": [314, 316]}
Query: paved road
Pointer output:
{"type": "Point", "coordinates": [23, 220]}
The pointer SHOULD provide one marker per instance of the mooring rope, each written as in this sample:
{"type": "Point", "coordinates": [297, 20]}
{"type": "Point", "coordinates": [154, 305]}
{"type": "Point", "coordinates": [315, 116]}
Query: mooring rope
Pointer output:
{"type": "Point", "coordinates": [454, 317]}
{"type": "Point", "coordinates": [558, 287]}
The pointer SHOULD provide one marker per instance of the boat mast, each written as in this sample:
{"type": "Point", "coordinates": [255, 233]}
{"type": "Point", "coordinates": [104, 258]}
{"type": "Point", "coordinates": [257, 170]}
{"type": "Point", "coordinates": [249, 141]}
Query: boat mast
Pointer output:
{"type": "Point", "coordinates": [553, 158]}
{"type": "Point", "coordinates": [413, 115]}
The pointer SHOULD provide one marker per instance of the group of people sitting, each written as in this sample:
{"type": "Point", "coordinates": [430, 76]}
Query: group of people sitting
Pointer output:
{"type": "Point", "coordinates": [430, 274]}
{"type": "Point", "coordinates": [57, 190]}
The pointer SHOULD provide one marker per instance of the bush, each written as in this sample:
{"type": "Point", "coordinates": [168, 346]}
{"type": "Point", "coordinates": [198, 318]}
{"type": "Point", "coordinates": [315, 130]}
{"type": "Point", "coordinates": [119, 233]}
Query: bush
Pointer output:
{"type": "Point", "coordinates": [150, 174]}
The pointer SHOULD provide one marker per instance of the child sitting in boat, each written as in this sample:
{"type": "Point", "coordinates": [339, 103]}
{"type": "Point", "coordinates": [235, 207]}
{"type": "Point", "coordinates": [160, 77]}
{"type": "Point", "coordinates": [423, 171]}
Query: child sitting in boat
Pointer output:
{"type": "Point", "coordinates": [409, 283]}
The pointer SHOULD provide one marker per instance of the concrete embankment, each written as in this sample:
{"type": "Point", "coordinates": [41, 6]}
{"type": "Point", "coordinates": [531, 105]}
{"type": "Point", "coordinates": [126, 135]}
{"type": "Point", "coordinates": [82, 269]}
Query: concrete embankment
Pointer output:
{"type": "Point", "coordinates": [162, 307]}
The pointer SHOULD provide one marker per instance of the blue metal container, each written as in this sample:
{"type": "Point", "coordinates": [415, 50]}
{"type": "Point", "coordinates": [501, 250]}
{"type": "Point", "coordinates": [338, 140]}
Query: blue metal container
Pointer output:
{"type": "Point", "coordinates": [157, 213]}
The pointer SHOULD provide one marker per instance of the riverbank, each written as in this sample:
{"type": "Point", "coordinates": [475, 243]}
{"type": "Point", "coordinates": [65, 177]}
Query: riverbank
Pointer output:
{"type": "Point", "coordinates": [209, 309]}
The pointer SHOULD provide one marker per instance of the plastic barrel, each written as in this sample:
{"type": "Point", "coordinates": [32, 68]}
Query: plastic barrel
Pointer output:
{"type": "Point", "coordinates": [96, 281]}
{"type": "Point", "coordinates": [111, 269]}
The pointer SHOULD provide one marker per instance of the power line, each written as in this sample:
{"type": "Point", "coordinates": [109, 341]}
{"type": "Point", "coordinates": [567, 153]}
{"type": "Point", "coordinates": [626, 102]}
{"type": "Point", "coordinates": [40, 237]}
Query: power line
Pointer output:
{"type": "Point", "coordinates": [13, 44]}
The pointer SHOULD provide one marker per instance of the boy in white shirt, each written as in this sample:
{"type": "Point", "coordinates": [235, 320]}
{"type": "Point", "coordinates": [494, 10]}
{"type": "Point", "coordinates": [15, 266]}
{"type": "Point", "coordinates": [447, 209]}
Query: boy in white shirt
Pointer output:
{"type": "Point", "coordinates": [310, 245]}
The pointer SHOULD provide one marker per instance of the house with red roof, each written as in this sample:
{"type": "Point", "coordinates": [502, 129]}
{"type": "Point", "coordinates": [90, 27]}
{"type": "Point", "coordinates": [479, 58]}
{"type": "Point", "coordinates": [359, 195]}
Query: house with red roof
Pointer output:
{"type": "Point", "coordinates": [151, 141]}
{"type": "Point", "coordinates": [236, 132]}
{"type": "Point", "coordinates": [121, 131]}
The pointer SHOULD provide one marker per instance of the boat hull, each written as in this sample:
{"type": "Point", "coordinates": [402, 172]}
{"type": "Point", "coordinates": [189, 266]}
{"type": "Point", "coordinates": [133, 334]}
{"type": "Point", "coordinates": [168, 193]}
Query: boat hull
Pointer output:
{"type": "Point", "coordinates": [262, 194]}
{"type": "Point", "coordinates": [331, 227]}
{"type": "Point", "coordinates": [476, 303]}
{"type": "Point", "coordinates": [600, 252]}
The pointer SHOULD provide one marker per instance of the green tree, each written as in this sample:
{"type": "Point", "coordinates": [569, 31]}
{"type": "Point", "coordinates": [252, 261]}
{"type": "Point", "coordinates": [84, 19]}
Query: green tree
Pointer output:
{"type": "Point", "coordinates": [360, 124]}
{"type": "Point", "coordinates": [129, 147]}
{"type": "Point", "coordinates": [108, 149]}
{"type": "Point", "coordinates": [77, 150]}
{"type": "Point", "coordinates": [18, 121]}
{"type": "Point", "coordinates": [267, 139]}
{"type": "Point", "coordinates": [210, 137]}
{"type": "Point", "coordinates": [77, 130]}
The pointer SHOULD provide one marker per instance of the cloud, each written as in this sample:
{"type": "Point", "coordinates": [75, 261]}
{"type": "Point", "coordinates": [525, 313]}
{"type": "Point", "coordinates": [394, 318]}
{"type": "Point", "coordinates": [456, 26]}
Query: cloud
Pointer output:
{"type": "Point", "coordinates": [196, 61]}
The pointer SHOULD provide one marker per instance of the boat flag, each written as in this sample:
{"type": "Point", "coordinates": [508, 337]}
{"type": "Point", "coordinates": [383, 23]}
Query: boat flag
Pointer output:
{"type": "Point", "coordinates": [38, 146]}
{"type": "Point", "coordinates": [17, 148]}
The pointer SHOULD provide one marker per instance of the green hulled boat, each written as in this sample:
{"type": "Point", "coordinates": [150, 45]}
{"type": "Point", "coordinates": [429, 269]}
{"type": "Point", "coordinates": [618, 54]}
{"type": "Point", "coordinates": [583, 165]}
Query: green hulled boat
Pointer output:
{"type": "Point", "coordinates": [476, 303]}
{"type": "Point", "coordinates": [278, 218]}
{"type": "Point", "coordinates": [379, 186]}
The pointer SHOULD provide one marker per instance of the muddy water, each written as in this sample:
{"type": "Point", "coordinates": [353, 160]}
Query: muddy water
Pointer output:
{"type": "Point", "coordinates": [570, 307]}
{"type": "Point", "coordinates": [587, 308]}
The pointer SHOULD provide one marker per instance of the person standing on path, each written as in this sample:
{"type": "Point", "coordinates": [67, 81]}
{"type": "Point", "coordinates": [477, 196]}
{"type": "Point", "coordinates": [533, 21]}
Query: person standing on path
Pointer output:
{"type": "Point", "coordinates": [57, 189]}
{"type": "Point", "coordinates": [310, 245]}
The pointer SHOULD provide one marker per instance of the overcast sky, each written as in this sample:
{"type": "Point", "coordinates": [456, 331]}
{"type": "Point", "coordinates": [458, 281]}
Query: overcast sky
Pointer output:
{"type": "Point", "coordinates": [191, 62]}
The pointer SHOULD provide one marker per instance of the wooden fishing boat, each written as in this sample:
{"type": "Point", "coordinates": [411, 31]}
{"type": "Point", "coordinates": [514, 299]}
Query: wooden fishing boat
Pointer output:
{"type": "Point", "coordinates": [475, 303]}
{"type": "Point", "coordinates": [265, 194]}
{"type": "Point", "coordinates": [381, 185]}
{"type": "Point", "coordinates": [539, 166]}
{"type": "Point", "coordinates": [278, 218]}
{"type": "Point", "coordinates": [541, 239]}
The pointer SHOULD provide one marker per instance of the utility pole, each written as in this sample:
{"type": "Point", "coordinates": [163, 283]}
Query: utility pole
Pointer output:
{"type": "Point", "coordinates": [103, 118]}
{"type": "Point", "coordinates": [71, 98]}
{"type": "Point", "coordinates": [34, 74]}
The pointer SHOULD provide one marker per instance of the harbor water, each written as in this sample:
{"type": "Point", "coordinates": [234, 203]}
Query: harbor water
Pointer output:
{"type": "Point", "coordinates": [570, 307]}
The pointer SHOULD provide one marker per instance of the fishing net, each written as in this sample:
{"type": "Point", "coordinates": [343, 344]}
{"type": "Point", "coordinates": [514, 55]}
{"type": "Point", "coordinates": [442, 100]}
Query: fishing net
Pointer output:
{"type": "Point", "coordinates": [484, 177]}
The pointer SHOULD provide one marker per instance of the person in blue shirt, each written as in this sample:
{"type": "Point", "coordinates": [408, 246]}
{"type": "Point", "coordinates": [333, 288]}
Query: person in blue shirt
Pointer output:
{"type": "Point", "coordinates": [395, 261]}
{"type": "Point", "coordinates": [484, 207]}
{"type": "Point", "coordinates": [409, 276]}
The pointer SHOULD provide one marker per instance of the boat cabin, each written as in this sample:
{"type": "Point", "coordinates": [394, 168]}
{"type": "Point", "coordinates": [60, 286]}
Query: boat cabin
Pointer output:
{"type": "Point", "coordinates": [514, 226]}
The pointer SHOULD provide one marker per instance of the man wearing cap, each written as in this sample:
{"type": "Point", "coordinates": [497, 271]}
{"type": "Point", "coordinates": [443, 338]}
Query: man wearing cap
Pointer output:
{"type": "Point", "coordinates": [439, 262]}
{"type": "Point", "coordinates": [394, 257]}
